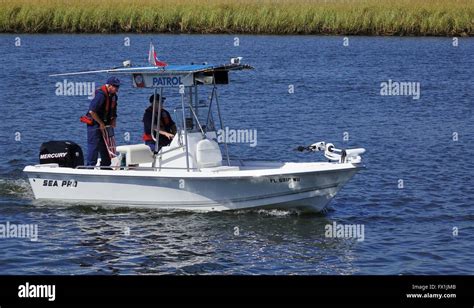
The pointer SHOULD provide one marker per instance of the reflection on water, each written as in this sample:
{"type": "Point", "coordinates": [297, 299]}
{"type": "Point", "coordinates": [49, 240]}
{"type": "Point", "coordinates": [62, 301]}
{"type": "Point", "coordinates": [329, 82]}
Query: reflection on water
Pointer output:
{"type": "Point", "coordinates": [101, 240]}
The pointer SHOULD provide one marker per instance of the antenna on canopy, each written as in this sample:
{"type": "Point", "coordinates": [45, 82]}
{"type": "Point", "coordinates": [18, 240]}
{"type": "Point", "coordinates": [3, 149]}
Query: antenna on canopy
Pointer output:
{"type": "Point", "coordinates": [125, 64]}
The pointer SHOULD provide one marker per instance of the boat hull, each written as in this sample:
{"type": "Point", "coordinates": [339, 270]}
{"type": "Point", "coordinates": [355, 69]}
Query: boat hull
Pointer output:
{"type": "Point", "coordinates": [300, 190]}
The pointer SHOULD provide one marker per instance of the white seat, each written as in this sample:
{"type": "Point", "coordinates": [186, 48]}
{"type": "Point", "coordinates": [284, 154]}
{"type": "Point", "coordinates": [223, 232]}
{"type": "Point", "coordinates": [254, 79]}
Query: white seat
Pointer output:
{"type": "Point", "coordinates": [136, 154]}
{"type": "Point", "coordinates": [208, 154]}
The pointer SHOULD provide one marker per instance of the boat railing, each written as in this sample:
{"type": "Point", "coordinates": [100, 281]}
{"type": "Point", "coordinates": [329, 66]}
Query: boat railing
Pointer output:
{"type": "Point", "coordinates": [135, 168]}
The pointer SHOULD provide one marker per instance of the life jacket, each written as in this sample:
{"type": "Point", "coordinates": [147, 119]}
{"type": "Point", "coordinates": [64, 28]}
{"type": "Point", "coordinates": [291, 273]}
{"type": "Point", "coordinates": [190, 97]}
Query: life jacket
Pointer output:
{"type": "Point", "coordinates": [147, 137]}
{"type": "Point", "coordinates": [110, 105]}
{"type": "Point", "coordinates": [109, 112]}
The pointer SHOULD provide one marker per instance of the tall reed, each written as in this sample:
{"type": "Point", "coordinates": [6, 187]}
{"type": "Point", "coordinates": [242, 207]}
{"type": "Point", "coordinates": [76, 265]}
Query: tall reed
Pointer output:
{"type": "Point", "coordinates": [348, 17]}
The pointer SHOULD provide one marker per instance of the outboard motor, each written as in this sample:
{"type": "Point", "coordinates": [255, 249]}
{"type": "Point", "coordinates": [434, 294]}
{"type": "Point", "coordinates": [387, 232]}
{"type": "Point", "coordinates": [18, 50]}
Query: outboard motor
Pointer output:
{"type": "Point", "coordinates": [64, 153]}
{"type": "Point", "coordinates": [333, 154]}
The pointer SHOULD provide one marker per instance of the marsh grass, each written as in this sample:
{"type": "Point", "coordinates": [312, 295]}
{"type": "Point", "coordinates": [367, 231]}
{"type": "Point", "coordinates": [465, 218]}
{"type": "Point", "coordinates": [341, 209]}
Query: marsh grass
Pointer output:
{"type": "Point", "coordinates": [347, 17]}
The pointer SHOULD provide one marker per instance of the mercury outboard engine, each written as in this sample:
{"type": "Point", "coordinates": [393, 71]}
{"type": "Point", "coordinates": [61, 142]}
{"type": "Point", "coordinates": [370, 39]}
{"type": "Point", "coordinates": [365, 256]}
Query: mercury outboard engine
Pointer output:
{"type": "Point", "coordinates": [63, 153]}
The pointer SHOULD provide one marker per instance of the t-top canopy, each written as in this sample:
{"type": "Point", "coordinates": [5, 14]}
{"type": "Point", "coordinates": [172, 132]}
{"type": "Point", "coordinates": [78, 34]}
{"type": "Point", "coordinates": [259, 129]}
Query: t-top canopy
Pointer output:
{"type": "Point", "coordinates": [173, 75]}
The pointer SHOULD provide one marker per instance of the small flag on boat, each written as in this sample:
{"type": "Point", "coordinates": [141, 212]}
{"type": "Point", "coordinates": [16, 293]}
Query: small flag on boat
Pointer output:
{"type": "Point", "coordinates": [153, 57]}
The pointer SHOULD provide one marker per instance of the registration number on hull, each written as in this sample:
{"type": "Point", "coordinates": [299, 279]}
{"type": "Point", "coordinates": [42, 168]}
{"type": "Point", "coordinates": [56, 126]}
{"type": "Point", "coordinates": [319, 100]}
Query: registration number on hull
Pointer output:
{"type": "Point", "coordinates": [284, 180]}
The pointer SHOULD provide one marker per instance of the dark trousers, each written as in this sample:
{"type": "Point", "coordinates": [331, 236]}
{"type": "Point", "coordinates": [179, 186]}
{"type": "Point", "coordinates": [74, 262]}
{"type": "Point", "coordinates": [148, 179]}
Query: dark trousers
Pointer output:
{"type": "Point", "coordinates": [96, 146]}
{"type": "Point", "coordinates": [151, 144]}
{"type": "Point", "coordinates": [163, 143]}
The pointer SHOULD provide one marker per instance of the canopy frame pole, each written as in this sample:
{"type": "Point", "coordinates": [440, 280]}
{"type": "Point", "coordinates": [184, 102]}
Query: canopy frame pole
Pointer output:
{"type": "Point", "coordinates": [153, 115]}
{"type": "Point", "coordinates": [220, 119]}
{"type": "Point", "coordinates": [182, 89]}
{"type": "Point", "coordinates": [197, 120]}
{"type": "Point", "coordinates": [196, 103]}
{"type": "Point", "coordinates": [209, 111]}
{"type": "Point", "coordinates": [158, 125]}
{"type": "Point", "coordinates": [190, 102]}
{"type": "Point", "coordinates": [157, 138]}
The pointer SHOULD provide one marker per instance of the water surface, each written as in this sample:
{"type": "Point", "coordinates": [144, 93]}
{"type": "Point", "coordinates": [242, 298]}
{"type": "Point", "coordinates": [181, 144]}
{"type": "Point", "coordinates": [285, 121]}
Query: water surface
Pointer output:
{"type": "Point", "coordinates": [408, 230]}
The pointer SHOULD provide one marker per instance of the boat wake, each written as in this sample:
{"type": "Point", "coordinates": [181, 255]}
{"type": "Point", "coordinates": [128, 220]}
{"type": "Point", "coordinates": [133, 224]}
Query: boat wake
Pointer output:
{"type": "Point", "coordinates": [16, 187]}
{"type": "Point", "coordinates": [266, 212]}
{"type": "Point", "coordinates": [277, 213]}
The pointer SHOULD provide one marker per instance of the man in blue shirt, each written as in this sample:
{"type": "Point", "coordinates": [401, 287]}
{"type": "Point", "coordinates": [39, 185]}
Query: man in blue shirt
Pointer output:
{"type": "Point", "coordinates": [103, 110]}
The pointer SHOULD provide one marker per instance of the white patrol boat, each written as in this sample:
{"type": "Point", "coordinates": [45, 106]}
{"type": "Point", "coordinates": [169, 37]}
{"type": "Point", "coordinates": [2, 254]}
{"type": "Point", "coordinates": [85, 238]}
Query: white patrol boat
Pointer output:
{"type": "Point", "coordinates": [194, 172]}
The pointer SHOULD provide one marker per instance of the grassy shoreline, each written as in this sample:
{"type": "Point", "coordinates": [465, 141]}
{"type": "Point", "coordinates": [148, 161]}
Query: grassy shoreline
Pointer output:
{"type": "Point", "coordinates": [331, 17]}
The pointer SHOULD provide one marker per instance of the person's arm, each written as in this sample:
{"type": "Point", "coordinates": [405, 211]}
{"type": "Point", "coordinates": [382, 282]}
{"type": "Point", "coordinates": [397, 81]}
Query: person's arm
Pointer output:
{"type": "Point", "coordinates": [171, 134]}
{"type": "Point", "coordinates": [96, 103]}
{"type": "Point", "coordinates": [96, 118]}
{"type": "Point", "coordinates": [166, 134]}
